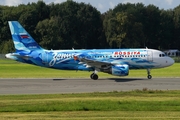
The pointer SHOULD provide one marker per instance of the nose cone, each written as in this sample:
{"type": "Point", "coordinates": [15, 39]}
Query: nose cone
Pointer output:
{"type": "Point", "coordinates": [170, 61]}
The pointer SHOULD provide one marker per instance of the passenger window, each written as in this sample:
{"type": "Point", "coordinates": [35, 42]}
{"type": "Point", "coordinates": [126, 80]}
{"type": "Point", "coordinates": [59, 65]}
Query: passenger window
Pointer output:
{"type": "Point", "coordinates": [159, 55]}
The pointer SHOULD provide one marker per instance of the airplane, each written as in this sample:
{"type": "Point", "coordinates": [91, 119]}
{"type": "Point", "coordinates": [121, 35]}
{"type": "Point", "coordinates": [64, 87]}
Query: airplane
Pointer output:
{"type": "Point", "coordinates": [116, 62]}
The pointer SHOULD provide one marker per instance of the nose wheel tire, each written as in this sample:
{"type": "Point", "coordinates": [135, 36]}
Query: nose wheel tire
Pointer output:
{"type": "Point", "coordinates": [149, 73]}
{"type": "Point", "coordinates": [149, 76]}
{"type": "Point", "coordinates": [94, 76]}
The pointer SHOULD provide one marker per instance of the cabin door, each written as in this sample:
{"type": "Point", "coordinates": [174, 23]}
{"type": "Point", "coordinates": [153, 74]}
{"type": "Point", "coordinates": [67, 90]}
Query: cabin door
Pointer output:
{"type": "Point", "coordinates": [150, 55]}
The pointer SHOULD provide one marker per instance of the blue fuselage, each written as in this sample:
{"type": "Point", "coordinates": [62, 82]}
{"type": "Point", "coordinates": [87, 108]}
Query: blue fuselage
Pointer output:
{"type": "Point", "coordinates": [69, 59]}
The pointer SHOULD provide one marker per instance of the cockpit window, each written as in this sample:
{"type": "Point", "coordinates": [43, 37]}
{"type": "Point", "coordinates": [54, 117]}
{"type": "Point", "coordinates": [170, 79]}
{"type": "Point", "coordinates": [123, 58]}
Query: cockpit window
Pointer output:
{"type": "Point", "coordinates": [162, 55]}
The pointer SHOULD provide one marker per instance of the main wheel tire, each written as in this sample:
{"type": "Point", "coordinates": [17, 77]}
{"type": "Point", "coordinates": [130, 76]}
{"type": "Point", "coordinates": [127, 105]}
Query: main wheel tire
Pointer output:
{"type": "Point", "coordinates": [95, 77]}
{"type": "Point", "coordinates": [91, 76]}
{"type": "Point", "coordinates": [149, 77]}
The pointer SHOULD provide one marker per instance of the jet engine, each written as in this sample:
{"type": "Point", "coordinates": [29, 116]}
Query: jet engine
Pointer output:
{"type": "Point", "coordinates": [117, 70]}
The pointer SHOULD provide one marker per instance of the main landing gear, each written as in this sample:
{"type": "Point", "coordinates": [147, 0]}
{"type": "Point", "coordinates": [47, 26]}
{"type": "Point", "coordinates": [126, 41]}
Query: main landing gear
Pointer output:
{"type": "Point", "coordinates": [94, 76]}
{"type": "Point", "coordinates": [149, 72]}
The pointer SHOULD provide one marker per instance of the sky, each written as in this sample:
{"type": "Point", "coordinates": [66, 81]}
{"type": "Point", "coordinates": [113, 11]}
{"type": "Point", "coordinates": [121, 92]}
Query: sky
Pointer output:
{"type": "Point", "coordinates": [102, 5]}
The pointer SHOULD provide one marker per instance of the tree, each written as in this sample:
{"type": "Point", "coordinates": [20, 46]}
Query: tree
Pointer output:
{"type": "Point", "coordinates": [151, 26]}
{"type": "Point", "coordinates": [166, 29]}
{"type": "Point", "coordinates": [48, 29]}
{"type": "Point", "coordinates": [80, 25]}
{"type": "Point", "coordinates": [119, 25]}
{"type": "Point", "coordinates": [175, 43]}
{"type": "Point", "coordinates": [123, 26]}
{"type": "Point", "coordinates": [7, 46]}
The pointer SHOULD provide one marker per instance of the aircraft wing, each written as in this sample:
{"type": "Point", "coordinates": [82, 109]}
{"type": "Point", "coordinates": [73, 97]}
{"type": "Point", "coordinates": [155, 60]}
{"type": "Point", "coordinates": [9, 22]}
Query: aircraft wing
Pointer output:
{"type": "Point", "coordinates": [95, 63]}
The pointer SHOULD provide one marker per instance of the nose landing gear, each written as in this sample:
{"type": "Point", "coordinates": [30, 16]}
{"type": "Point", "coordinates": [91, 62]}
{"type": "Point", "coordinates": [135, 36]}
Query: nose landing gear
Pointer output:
{"type": "Point", "coordinates": [149, 72]}
{"type": "Point", "coordinates": [149, 76]}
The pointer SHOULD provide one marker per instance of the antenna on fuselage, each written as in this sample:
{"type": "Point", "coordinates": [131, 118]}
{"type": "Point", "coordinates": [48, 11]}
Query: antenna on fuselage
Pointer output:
{"type": "Point", "coordinates": [146, 48]}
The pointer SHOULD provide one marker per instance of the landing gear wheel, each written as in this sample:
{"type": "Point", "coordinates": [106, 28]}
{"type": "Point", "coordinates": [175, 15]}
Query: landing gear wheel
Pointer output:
{"type": "Point", "coordinates": [94, 76]}
{"type": "Point", "coordinates": [149, 76]}
{"type": "Point", "coordinates": [149, 73]}
{"type": "Point", "coordinates": [91, 76]}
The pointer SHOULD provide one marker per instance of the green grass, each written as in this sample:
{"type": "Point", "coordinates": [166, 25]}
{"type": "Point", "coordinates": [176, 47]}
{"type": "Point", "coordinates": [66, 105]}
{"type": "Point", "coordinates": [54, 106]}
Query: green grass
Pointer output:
{"type": "Point", "coordinates": [91, 115]}
{"type": "Point", "coordinates": [138, 104]}
{"type": "Point", "coordinates": [13, 69]}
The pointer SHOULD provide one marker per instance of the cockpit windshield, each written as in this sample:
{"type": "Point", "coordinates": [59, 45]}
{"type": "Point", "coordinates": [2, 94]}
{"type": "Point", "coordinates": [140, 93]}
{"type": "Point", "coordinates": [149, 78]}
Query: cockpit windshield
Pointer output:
{"type": "Point", "coordinates": [162, 55]}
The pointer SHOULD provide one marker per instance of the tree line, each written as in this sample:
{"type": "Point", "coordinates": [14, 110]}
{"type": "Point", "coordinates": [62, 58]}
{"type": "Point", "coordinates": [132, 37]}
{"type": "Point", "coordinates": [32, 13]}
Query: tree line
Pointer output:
{"type": "Point", "coordinates": [81, 26]}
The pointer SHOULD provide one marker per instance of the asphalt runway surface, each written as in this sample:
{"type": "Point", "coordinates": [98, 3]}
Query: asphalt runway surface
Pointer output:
{"type": "Point", "coordinates": [55, 86]}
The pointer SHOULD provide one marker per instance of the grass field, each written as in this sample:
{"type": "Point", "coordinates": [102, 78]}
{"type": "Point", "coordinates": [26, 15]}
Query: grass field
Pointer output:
{"type": "Point", "coordinates": [136, 105]}
{"type": "Point", "coordinates": [145, 104]}
{"type": "Point", "coordinates": [13, 69]}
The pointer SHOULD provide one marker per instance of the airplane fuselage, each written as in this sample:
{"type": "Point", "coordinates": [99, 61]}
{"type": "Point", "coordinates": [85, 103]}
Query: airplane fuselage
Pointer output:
{"type": "Point", "coordinates": [69, 59]}
{"type": "Point", "coordinates": [112, 61]}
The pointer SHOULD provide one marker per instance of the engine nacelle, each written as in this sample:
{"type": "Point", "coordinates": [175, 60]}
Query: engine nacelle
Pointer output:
{"type": "Point", "coordinates": [118, 70]}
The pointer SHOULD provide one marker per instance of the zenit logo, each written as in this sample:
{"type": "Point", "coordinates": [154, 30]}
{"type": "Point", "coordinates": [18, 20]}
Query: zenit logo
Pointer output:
{"type": "Point", "coordinates": [58, 58]}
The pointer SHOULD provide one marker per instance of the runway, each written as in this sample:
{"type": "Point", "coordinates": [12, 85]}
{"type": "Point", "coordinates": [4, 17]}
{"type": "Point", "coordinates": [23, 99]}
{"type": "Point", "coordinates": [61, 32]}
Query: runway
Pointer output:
{"type": "Point", "coordinates": [55, 86]}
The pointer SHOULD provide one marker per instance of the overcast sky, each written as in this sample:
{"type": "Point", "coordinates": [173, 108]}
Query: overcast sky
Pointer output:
{"type": "Point", "coordinates": [102, 5]}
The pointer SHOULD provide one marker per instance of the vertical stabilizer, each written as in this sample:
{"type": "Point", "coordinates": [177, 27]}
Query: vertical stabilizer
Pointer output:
{"type": "Point", "coordinates": [21, 38]}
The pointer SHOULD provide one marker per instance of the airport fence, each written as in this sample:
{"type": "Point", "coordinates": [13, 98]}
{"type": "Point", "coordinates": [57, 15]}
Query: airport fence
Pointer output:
{"type": "Point", "coordinates": [2, 56]}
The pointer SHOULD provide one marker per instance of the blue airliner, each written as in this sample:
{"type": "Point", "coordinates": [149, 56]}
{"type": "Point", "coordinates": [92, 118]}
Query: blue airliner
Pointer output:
{"type": "Point", "coordinates": [117, 62]}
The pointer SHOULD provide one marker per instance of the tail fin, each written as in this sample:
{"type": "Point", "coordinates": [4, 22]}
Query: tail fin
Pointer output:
{"type": "Point", "coordinates": [21, 38]}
